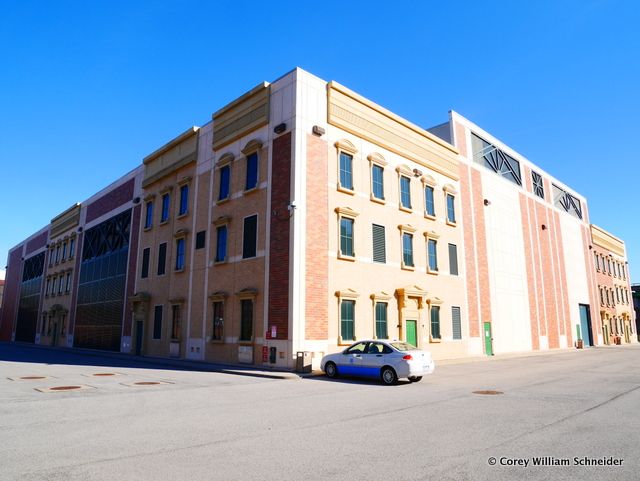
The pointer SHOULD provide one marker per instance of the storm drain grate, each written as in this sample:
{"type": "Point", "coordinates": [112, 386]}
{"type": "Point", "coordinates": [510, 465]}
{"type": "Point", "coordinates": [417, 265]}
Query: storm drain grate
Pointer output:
{"type": "Point", "coordinates": [32, 377]}
{"type": "Point", "coordinates": [64, 388]}
{"type": "Point", "coordinates": [488, 392]}
{"type": "Point", "coordinates": [104, 374]}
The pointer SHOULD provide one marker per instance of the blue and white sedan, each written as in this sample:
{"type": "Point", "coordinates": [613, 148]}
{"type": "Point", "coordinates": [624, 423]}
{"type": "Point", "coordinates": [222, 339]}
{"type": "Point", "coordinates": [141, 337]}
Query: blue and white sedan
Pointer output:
{"type": "Point", "coordinates": [389, 360]}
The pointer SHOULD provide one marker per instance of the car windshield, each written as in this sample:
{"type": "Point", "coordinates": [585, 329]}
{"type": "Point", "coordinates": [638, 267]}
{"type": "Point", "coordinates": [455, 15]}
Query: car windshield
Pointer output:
{"type": "Point", "coordinates": [403, 346]}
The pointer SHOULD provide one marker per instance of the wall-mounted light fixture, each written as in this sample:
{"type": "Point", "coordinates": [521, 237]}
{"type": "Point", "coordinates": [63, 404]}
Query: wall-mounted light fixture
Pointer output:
{"type": "Point", "coordinates": [317, 130]}
{"type": "Point", "coordinates": [417, 173]}
{"type": "Point", "coordinates": [278, 129]}
{"type": "Point", "coordinates": [544, 227]}
{"type": "Point", "coordinates": [487, 202]}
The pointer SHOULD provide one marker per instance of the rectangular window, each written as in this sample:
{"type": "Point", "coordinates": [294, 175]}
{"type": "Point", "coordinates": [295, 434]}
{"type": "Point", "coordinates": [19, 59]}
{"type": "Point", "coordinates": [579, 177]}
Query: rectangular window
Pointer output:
{"type": "Point", "coordinates": [162, 258]}
{"type": "Point", "coordinates": [432, 254]}
{"type": "Point", "coordinates": [250, 237]}
{"type": "Point", "coordinates": [157, 322]}
{"type": "Point", "coordinates": [346, 171]}
{"type": "Point", "coordinates": [435, 322]}
{"type": "Point", "coordinates": [184, 200]}
{"type": "Point", "coordinates": [251, 182]}
{"type": "Point", "coordinates": [72, 248]}
{"type": "Point", "coordinates": [51, 256]}
{"type": "Point", "coordinates": [218, 321]}
{"type": "Point", "coordinates": [61, 285]}
{"type": "Point", "coordinates": [346, 237]}
{"type": "Point", "coordinates": [55, 286]}
{"type": "Point", "coordinates": [381, 320]}
{"type": "Point", "coordinates": [487, 154]}
{"type": "Point", "coordinates": [377, 182]}
{"type": "Point", "coordinates": [405, 192]}
{"type": "Point", "coordinates": [538, 184]}
{"type": "Point", "coordinates": [246, 320]}
{"type": "Point", "coordinates": [451, 209]}
{"type": "Point", "coordinates": [347, 312]}
{"type": "Point", "coordinates": [601, 297]}
{"type": "Point", "coordinates": [201, 238]}
{"type": "Point", "coordinates": [175, 321]}
{"type": "Point", "coordinates": [456, 324]}
{"type": "Point", "coordinates": [429, 204]}
{"type": "Point", "coordinates": [179, 254]}
{"type": "Point", "coordinates": [58, 253]}
{"type": "Point", "coordinates": [221, 243]}
{"type": "Point", "coordinates": [453, 259]}
{"type": "Point", "coordinates": [148, 218]}
{"type": "Point", "coordinates": [146, 253]}
{"type": "Point", "coordinates": [379, 243]}
{"type": "Point", "coordinates": [597, 261]}
{"type": "Point", "coordinates": [64, 251]}
{"type": "Point", "coordinates": [68, 283]}
{"type": "Point", "coordinates": [407, 249]}
{"type": "Point", "coordinates": [166, 201]}
{"type": "Point", "coordinates": [48, 288]}
{"type": "Point", "coordinates": [225, 178]}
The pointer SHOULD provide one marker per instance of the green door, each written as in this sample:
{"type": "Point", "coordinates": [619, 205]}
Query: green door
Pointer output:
{"type": "Point", "coordinates": [412, 332]}
{"type": "Point", "coordinates": [488, 346]}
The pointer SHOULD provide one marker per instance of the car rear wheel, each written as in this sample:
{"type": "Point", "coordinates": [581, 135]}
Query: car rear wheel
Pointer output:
{"type": "Point", "coordinates": [330, 369]}
{"type": "Point", "coordinates": [388, 376]}
{"type": "Point", "coordinates": [415, 378]}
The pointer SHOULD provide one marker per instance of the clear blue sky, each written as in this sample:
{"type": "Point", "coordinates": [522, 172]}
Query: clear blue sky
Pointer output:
{"type": "Point", "coordinates": [87, 89]}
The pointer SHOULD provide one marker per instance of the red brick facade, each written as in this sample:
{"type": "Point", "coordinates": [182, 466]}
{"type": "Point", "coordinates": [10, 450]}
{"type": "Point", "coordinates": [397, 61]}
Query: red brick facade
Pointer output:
{"type": "Point", "coordinates": [11, 293]}
{"type": "Point", "coordinates": [317, 244]}
{"type": "Point", "coordinates": [470, 251]}
{"type": "Point", "coordinates": [112, 200]}
{"type": "Point", "coordinates": [279, 258]}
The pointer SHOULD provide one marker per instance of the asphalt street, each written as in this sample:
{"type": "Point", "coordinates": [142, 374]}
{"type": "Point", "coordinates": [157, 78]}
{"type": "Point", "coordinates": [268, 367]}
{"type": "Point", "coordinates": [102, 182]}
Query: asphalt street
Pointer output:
{"type": "Point", "coordinates": [571, 407]}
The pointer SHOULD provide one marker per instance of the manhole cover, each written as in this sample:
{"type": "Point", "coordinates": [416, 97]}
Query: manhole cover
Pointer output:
{"type": "Point", "coordinates": [33, 377]}
{"type": "Point", "coordinates": [488, 392]}
{"type": "Point", "coordinates": [104, 374]}
{"type": "Point", "coordinates": [146, 383]}
{"type": "Point", "coordinates": [64, 388]}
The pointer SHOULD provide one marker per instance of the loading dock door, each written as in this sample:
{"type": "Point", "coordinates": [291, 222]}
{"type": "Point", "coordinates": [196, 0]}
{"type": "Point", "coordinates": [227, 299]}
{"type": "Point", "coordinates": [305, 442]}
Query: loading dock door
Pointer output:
{"type": "Point", "coordinates": [585, 325]}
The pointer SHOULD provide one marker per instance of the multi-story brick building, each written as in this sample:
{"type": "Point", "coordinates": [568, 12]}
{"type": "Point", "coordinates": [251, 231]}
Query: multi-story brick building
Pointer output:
{"type": "Point", "coordinates": [301, 218]}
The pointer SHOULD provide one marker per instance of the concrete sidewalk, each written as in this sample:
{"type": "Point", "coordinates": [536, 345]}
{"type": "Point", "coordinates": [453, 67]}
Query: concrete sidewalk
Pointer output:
{"type": "Point", "coordinates": [151, 361]}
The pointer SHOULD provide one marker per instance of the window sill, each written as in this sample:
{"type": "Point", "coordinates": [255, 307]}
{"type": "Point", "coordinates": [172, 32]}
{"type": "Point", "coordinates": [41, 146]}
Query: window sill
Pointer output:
{"type": "Point", "coordinates": [377, 200]}
{"type": "Point", "coordinates": [222, 201]}
{"type": "Point", "coordinates": [405, 209]}
{"type": "Point", "coordinates": [346, 190]}
{"type": "Point", "coordinates": [407, 268]}
{"type": "Point", "coordinates": [342, 342]}
{"type": "Point", "coordinates": [250, 191]}
{"type": "Point", "coordinates": [433, 273]}
{"type": "Point", "coordinates": [429, 216]}
{"type": "Point", "coordinates": [219, 263]}
{"type": "Point", "coordinates": [179, 271]}
{"type": "Point", "coordinates": [435, 340]}
{"type": "Point", "coordinates": [347, 258]}
{"type": "Point", "coordinates": [245, 343]}
{"type": "Point", "coordinates": [181, 216]}
{"type": "Point", "coordinates": [452, 224]}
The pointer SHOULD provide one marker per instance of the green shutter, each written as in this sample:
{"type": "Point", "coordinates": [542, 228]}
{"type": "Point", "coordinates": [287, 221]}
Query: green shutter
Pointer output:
{"type": "Point", "coordinates": [346, 320]}
{"type": "Point", "coordinates": [379, 247]}
{"type": "Point", "coordinates": [456, 325]}
{"type": "Point", "coordinates": [435, 322]}
{"type": "Point", "coordinates": [453, 259]}
{"type": "Point", "coordinates": [381, 320]}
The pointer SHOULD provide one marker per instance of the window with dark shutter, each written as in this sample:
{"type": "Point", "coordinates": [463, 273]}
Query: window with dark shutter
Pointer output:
{"type": "Point", "coordinates": [379, 247]}
{"type": "Point", "coordinates": [250, 237]}
{"type": "Point", "coordinates": [157, 322]}
{"type": "Point", "coordinates": [453, 259]}
{"type": "Point", "coordinates": [246, 320]}
{"type": "Point", "coordinates": [456, 325]}
{"type": "Point", "coordinates": [200, 239]}
{"type": "Point", "coordinates": [145, 263]}
{"type": "Point", "coordinates": [162, 258]}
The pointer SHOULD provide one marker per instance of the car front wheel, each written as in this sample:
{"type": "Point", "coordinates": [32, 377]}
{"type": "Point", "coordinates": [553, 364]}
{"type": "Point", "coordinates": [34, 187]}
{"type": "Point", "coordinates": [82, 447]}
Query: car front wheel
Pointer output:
{"type": "Point", "coordinates": [415, 378]}
{"type": "Point", "coordinates": [388, 376]}
{"type": "Point", "coordinates": [330, 369]}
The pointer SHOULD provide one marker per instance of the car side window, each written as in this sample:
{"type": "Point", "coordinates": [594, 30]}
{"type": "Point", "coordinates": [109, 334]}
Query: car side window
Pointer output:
{"type": "Point", "coordinates": [386, 349]}
{"type": "Point", "coordinates": [375, 348]}
{"type": "Point", "coordinates": [357, 348]}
